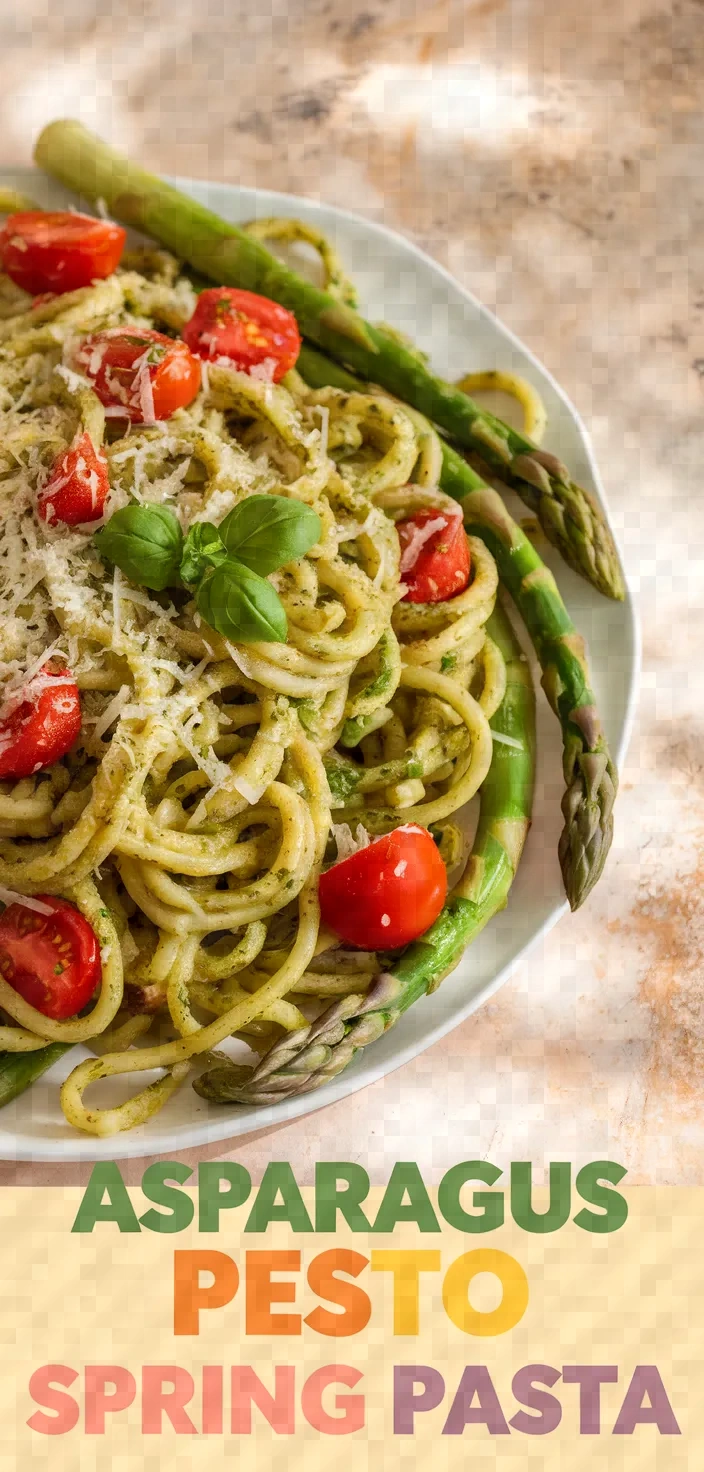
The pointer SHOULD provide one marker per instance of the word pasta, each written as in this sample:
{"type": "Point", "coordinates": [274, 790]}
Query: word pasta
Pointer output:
{"type": "Point", "coordinates": [170, 1401]}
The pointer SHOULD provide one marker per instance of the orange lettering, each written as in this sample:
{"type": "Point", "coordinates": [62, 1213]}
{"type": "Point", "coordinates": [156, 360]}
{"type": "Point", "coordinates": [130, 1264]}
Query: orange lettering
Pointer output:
{"type": "Point", "coordinates": [190, 1296]}
{"type": "Point", "coordinates": [354, 1301]}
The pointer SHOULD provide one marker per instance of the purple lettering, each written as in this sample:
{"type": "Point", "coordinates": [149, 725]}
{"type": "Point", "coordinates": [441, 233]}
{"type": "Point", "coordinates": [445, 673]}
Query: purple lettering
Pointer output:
{"type": "Point", "coordinates": [476, 1380]}
{"type": "Point", "coordinates": [646, 1381]}
{"type": "Point", "coordinates": [406, 1402]}
{"type": "Point", "coordinates": [589, 1378]}
{"type": "Point", "coordinates": [526, 1393]}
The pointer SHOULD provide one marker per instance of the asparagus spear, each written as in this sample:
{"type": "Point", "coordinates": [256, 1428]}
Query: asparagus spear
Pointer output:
{"type": "Point", "coordinates": [590, 775]}
{"type": "Point", "coordinates": [228, 255]}
{"type": "Point", "coordinates": [19, 1070]}
{"type": "Point", "coordinates": [310, 1056]}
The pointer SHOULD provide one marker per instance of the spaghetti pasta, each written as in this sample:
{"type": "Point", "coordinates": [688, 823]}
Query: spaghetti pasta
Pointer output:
{"type": "Point", "coordinates": [190, 821]}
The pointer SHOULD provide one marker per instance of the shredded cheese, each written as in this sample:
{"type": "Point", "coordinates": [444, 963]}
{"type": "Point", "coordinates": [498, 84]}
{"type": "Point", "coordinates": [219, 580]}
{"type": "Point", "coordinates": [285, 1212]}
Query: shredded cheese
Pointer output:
{"type": "Point", "coordinates": [248, 790]}
{"type": "Point", "coordinates": [418, 538]}
{"type": "Point", "coordinates": [10, 897]}
{"type": "Point", "coordinates": [324, 412]}
{"type": "Point", "coordinates": [111, 712]}
{"type": "Point", "coordinates": [73, 381]}
{"type": "Point", "coordinates": [215, 770]}
{"type": "Point", "coordinates": [346, 844]}
{"type": "Point", "coordinates": [507, 740]}
{"type": "Point", "coordinates": [263, 371]}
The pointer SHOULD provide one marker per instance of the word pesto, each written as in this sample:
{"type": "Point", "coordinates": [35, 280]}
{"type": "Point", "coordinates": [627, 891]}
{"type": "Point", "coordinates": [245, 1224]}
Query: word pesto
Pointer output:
{"type": "Point", "coordinates": [226, 566]}
{"type": "Point", "coordinates": [341, 1188]}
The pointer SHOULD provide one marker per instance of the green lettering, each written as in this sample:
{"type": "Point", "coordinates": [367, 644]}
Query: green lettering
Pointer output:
{"type": "Point", "coordinates": [118, 1208]}
{"type": "Point", "coordinates": [558, 1210]}
{"type": "Point", "coordinates": [211, 1200]}
{"type": "Point", "coordinates": [180, 1207]}
{"type": "Point", "coordinates": [278, 1178]}
{"type": "Point", "coordinates": [329, 1199]}
{"type": "Point", "coordinates": [491, 1214]}
{"type": "Point", "coordinates": [614, 1206]}
{"type": "Point", "coordinates": [405, 1179]}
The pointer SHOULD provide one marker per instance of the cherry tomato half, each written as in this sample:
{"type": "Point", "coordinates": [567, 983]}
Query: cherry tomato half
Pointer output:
{"type": "Point", "coordinates": [387, 894]}
{"type": "Point", "coordinates": [249, 329]}
{"type": "Point", "coordinates": [53, 961]}
{"type": "Point", "coordinates": [59, 250]}
{"type": "Point", "coordinates": [77, 488]}
{"type": "Point", "coordinates": [144, 374]}
{"type": "Point", "coordinates": [434, 556]}
{"type": "Point", "coordinates": [42, 726]}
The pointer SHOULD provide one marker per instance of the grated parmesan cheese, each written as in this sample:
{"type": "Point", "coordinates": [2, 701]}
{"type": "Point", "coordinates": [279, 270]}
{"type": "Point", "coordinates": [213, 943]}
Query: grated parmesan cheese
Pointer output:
{"type": "Point", "coordinates": [194, 674]}
{"type": "Point", "coordinates": [116, 591]}
{"type": "Point", "coordinates": [111, 712]}
{"type": "Point", "coordinates": [23, 678]}
{"type": "Point", "coordinates": [507, 740]}
{"type": "Point", "coordinates": [248, 791]}
{"type": "Point", "coordinates": [419, 536]}
{"type": "Point", "coordinates": [11, 897]}
{"type": "Point", "coordinates": [263, 371]}
{"type": "Point", "coordinates": [324, 412]}
{"type": "Point", "coordinates": [239, 659]}
{"type": "Point", "coordinates": [215, 770]}
{"type": "Point", "coordinates": [74, 381]}
{"type": "Point", "coordinates": [346, 844]}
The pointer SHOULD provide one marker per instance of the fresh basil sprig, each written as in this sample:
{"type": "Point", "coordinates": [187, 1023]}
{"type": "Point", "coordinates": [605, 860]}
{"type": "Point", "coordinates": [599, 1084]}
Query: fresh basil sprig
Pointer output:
{"type": "Point", "coordinates": [202, 549]}
{"type": "Point", "coordinates": [226, 566]}
{"type": "Point", "coordinates": [146, 543]}
{"type": "Point", "coordinates": [266, 532]}
{"type": "Point", "coordinates": [239, 604]}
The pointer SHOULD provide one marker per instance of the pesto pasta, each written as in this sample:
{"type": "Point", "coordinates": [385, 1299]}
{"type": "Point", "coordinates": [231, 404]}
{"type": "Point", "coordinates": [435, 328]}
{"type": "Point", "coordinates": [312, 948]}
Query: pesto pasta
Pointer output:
{"type": "Point", "coordinates": [190, 821]}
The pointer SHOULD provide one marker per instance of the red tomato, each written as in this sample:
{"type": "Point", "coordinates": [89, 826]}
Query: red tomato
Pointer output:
{"type": "Point", "coordinates": [42, 726]}
{"type": "Point", "coordinates": [387, 894]}
{"type": "Point", "coordinates": [434, 556]}
{"type": "Point", "coordinates": [53, 961]}
{"type": "Point", "coordinates": [77, 488]}
{"type": "Point", "coordinates": [248, 329]}
{"type": "Point", "coordinates": [59, 250]}
{"type": "Point", "coordinates": [141, 373]}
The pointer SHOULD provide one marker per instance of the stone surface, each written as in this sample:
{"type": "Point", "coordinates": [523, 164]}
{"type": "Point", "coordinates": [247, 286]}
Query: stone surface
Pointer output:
{"type": "Point", "coordinates": [550, 156]}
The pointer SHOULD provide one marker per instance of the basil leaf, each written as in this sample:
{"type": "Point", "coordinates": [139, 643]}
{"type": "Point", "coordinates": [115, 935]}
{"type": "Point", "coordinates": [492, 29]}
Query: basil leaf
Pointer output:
{"type": "Point", "coordinates": [146, 543]}
{"type": "Point", "coordinates": [265, 532]}
{"type": "Point", "coordinates": [202, 549]}
{"type": "Point", "coordinates": [240, 605]}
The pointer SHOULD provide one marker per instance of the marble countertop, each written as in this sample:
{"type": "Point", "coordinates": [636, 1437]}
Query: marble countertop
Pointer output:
{"type": "Point", "coordinates": [550, 156]}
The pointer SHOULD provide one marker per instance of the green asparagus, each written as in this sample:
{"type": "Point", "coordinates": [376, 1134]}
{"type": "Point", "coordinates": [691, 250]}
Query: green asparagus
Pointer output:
{"type": "Point", "coordinates": [590, 774]}
{"type": "Point", "coordinates": [570, 517]}
{"type": "Point", "coordinates": [19, 1070]}
{"type": "Point", "coordinates": [311, 1056]}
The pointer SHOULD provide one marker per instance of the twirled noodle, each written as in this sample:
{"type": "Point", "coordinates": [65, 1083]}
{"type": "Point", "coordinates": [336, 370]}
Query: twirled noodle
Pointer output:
{"type": "Point", "coordinates": [495, 380]}
{"type": "Point", "coordinates": [190, 821]}
{"type": "Point", "coordinates": [295, 232]}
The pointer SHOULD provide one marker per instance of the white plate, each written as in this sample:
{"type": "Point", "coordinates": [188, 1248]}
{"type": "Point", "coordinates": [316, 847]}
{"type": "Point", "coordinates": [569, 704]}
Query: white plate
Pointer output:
{"type": "Point", "coordinates": [400, 285]}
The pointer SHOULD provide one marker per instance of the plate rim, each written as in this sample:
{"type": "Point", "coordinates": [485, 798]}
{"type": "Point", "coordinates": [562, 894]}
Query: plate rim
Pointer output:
{"type": "Point", "coordinates": [206, 1132]}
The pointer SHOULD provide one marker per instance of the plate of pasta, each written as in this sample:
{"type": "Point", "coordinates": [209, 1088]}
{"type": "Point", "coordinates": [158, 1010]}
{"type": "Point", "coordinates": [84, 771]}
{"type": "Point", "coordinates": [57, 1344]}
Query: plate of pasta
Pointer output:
{"type": "Point", "coordinates": [276, 603]}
